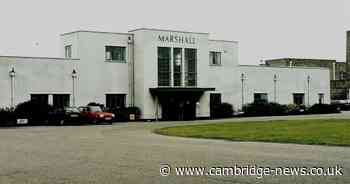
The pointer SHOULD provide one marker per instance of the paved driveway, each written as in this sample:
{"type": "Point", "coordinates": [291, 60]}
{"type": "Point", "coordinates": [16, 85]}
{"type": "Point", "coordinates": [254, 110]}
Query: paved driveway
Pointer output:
{"type": "Point", "coordinates": [131, 153]}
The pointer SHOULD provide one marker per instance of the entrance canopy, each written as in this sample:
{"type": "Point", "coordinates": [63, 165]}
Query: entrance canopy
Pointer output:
{"type": "Point", "coordinates": [187, 90]}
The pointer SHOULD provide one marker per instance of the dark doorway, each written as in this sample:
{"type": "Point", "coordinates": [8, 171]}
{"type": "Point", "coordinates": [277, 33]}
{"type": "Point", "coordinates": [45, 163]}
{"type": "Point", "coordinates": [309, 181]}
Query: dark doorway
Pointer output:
{"type": "Point", "coordinates": [215, 102]}
{"type": "Point", "coordinates": [176, 108]}
{"type": "Point", "coordinates": [42, 99]}
{"type": "Point", "coordinates": [60, 101]}
{"type": "Point", "coordinates": [115, 101]}
{"type": "Point", "coordinates": [178, 103]}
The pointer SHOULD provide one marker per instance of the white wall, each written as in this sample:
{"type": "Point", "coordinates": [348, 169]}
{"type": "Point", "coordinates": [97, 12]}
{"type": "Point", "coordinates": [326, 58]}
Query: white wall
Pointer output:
{"type": "Point", "coordinates": [260, 80]}
{"type": "Point", "coordinates": [228, 50]}
{"type": "Point", "coordinates": [96, 77]}
{"type": "Point", "coordinates": [53, 75]}
{"type": "Point", "coordinates": [35, 75]}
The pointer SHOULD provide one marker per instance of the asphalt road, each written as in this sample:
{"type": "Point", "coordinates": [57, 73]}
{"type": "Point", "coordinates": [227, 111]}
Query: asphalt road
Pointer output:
{"type": "Point", "coordinates": [131, 153]}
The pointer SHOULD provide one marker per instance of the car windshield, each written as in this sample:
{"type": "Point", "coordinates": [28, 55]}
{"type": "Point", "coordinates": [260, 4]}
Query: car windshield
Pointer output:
{"type": "Point", "coordinates": [95, 109]}
{"type": "Point", "coordinates": [72, 109]}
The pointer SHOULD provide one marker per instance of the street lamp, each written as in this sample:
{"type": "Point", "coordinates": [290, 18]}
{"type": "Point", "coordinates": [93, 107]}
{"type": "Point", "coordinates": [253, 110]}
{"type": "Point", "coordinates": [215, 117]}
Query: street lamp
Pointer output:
{"type": "Point", "coordinates": [274, 88]}
{"type": "Point", "coordinates": [12, 74]}
{"type": "Point", "coordinates": [74, 76]}
{"type": "Point", "coordinates": [308, 90]}
{"type": "Point", "coordinates": [242, 80]}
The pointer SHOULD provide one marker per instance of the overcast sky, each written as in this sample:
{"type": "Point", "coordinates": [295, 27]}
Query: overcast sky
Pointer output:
{"type": "Point", "coordinates": [265, 29]}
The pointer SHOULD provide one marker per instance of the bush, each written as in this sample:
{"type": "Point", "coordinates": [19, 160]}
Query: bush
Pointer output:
{"type": "Point", "coordinates": [223, 110]}
{"type": "Point", "coordinates": [123, 114]}
{"type": "Point", "coordinates": [323, 109]}
{"type": "Point", "coordinates": [7, 117]}
{"type": "Point", "coordinates": [34, 111]}
{"type": "Point", "coordinates": [343, 106]}
{"type": "Point", "coordinates": [264, 109]}
{"type": "Point", "coordinates": [293, 109]}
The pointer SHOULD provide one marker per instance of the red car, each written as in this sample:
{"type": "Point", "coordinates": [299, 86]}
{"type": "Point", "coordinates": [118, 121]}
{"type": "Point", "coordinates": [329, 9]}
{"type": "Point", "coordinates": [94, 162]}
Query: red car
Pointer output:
{"type": "Point", "coordinates": [95, 114]}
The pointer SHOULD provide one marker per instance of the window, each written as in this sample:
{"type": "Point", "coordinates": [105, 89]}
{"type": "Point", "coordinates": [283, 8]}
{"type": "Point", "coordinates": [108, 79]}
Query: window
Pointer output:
{"type": "Point", "coordinates": [60, 100]}
{"type": "Point", "coordinates": [215, 58]}
{"type": "Point", "coordinates": [260, 98]}
{"type": "Point", "coordinates": [164, 57]}
{"type": "Point", "coordinates": [191, 67]}
{"type": "Point", "coordinates": [298, 98]}
{"type": "Point", "coordinates": [320, 98]}
{"type": "Point", "coordinates": [68, 51]}
{"type": "Point", "coordinates": [115, 101]}
{"type": "Point", "coordinates": [115, 54]}
{"type": "Point", "coordinates": [177, 66]}
{"type": "Point", "coordinates": [42, 99]}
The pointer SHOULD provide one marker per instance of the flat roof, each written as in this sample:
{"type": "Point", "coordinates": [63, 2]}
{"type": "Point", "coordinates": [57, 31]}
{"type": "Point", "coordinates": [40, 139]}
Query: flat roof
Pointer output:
{"type": "Point", "coordinates": [286, 67]}
{"type": "Point", "coordinates": [167, 30]}
{"type": "Point", "coordinates": [149, 29]}
{"type": "Point", "coordinates": [101, 32]}
{"type": "Point", "coordinates": [308, 59]}
{"type": "Point", "coordinates": [232, 41]}
{"type": "Point", "coordinates": [33, 57]}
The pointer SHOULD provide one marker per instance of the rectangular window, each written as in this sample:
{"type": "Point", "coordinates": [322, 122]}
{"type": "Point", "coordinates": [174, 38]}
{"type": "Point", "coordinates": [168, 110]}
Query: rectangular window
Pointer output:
{"type": "Point", "coordinates": [115, 101]}
{"type": "Point", "coordinates": [60, 101]}
{"type": "Point", "coordinates": [215, 58]}
{"type": "Point", "coordinates": [299, 98]}
{"type": "Point", "coordinates": [115, 54]}
{"type": "Point", "coordinates": [191, 67]}
{"type": "Point", "coordinates": [260, 98]}
{"type": "Point", "coordinates": [68, 51]}
{"type": "Point", "coordinates": [42, 99]}
{"type": "Point", "coordinates": [177, 66]}
{"type": "Point", "coordinates": [164, 57]}
{"type": "Point", "coordinates": [320, 98]}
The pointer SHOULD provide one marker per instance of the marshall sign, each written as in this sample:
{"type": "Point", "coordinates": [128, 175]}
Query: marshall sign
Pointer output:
{"type": "Point", "coordinates": [177, 39]}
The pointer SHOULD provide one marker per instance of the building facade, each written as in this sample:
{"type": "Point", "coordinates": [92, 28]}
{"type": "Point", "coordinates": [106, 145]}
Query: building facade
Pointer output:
{"type": "Point", "coordinates": [172, 75]}
{"type": "Point", "coordinates": [337, 72]}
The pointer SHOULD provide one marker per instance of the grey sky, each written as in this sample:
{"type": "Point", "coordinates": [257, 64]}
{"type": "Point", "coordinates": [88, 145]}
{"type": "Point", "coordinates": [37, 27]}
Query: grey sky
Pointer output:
{"type": "Point", "coordinates": [264, 28]}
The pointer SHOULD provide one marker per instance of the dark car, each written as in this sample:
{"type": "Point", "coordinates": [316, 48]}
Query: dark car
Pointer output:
{"type": "Point", "coordinates": [95, 114]}
{"type": "Point", "coordinates": [68, 115]}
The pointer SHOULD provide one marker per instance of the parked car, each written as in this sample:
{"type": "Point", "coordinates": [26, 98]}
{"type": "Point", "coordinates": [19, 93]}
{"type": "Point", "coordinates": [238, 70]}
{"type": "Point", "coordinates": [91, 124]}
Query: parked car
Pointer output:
{"type": "Point", "coordinates": [95, 114]}
{"type": "Point", "coordinates": [67, 115]}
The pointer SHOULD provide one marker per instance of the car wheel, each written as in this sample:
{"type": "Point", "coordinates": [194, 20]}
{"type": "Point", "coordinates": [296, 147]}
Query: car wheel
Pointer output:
{"type": "Point", "coordinates": [95, 121]}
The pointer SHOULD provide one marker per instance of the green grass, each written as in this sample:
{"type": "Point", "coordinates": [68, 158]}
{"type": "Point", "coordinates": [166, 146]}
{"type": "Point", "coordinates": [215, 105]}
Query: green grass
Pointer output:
{"type": "Point", "coordinates": [315, 131]}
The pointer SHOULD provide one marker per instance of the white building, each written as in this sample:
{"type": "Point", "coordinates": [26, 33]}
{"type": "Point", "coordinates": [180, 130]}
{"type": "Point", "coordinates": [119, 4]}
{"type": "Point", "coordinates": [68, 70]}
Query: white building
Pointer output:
{"type": "Point", "coordinates": [167, 74]}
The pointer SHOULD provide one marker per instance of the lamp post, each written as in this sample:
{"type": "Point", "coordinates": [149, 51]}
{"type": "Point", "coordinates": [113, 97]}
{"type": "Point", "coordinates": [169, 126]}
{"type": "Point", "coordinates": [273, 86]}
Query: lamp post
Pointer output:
{"type": "Point", "coordinates": [274, 88]}
{"type": "Point", "coordinates": [242, 80]}
{"type": "Point", "coordinates": [308, 90]}
{"type": "Point", "coordinates": [74, 76]}
{"type": "Point", "coordinates": [12, 74]}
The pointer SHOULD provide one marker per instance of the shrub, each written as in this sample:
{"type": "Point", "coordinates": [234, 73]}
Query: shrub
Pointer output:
{"type": "Point", "coordinates": [123, 114]}
{"type": "Point", "coordinates": [223, 110]}
{"type": "Point", "coordinates": [7, 117]}
{"type": "Point", "coordinates": [323, 109]}
{"type": "Point", "coordinates": [344, 106]}
{"type": "Point", "coordinates": [293, 109]}
{"type": "Point", "coordinates": [34, 111]}
{"type": "Point", "coordinates": [264, 109]}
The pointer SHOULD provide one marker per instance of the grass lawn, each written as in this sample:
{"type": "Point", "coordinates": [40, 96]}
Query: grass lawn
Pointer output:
{"type": "Point", "coordinates": [317, 131]}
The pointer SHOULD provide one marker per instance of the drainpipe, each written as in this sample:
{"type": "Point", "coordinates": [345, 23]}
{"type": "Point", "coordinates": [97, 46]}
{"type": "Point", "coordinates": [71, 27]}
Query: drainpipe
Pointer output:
{"type": "Point", "coordinates": [333, 70]}
{"type": "Point", "coordinates": [131, 70]}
